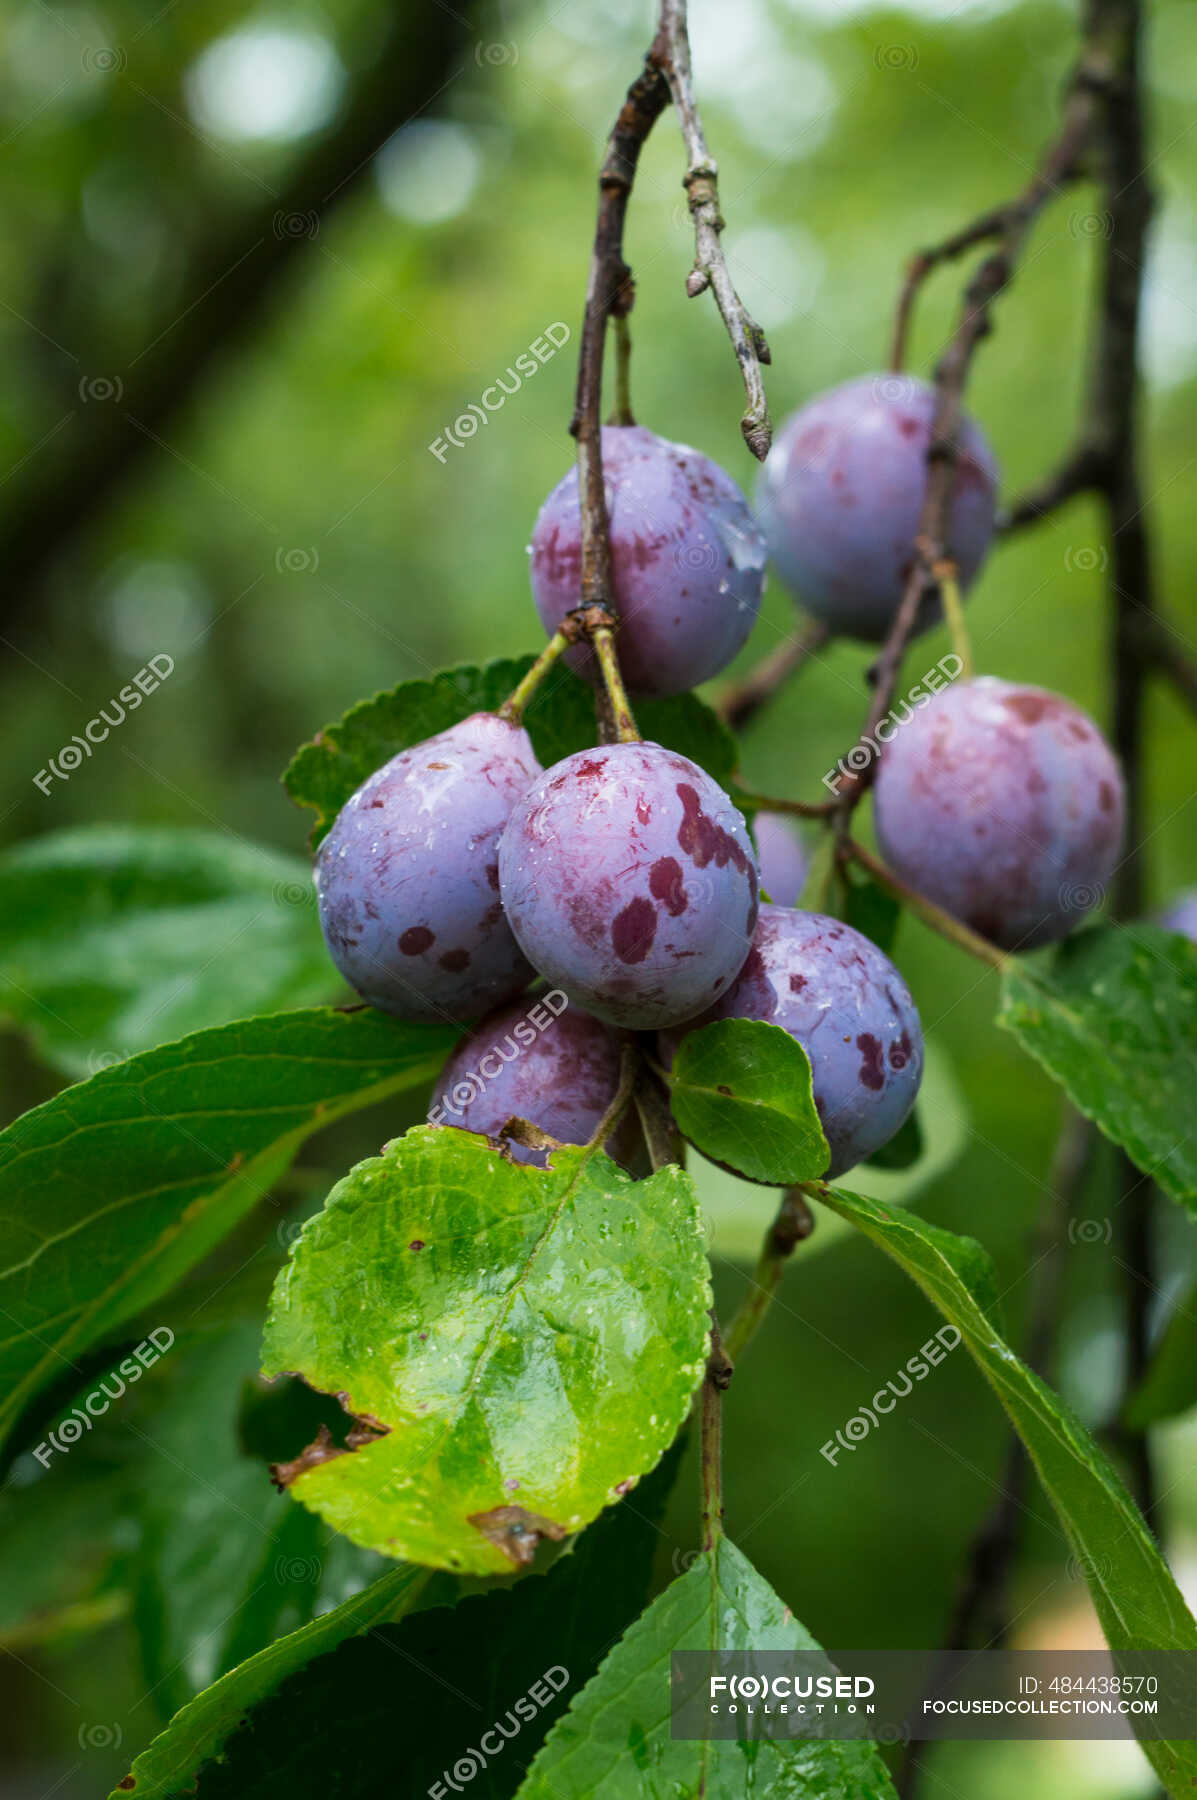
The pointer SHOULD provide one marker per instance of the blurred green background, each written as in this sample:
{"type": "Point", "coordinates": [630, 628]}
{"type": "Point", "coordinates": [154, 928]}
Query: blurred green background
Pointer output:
{"type": "Point", "coordinates": [254, 263]}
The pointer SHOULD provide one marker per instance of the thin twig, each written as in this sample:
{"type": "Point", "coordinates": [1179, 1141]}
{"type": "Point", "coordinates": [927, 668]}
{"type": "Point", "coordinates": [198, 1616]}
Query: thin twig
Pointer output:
{"type": "Point", "coordinates": [622, 413]}
{"type": "Point", "coordinates": [1079, 473]}
{"type": "Point", "coordinates": [610, 289]}
{"type": "Point", "coordinates": [1127, 203]}
{"type": "Point", "coordinates": [512, 708]}
{"type": "Point", "coordinates": [1007, 226]}
{"type": "Point", "coordinates": [671, 54]}
{"type": "Point", "coordinates": [718, 1375]}
{"type": "Point", "coordinates": [793, 1224]}
{"type": "Point", "coordinates": [742, 701]}
{"type": "Point", "coordinates": [1170, 661]}
{"type": "Point", "coordinates": [1062, 162]}
{"type": "Point", "coordinates": [750, 801]}
{"type": "Point", "coordinates": [943, 922]}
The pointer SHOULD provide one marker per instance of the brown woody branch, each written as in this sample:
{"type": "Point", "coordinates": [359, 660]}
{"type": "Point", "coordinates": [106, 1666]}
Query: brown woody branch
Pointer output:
{"type": "Point", "coordinates": [671, 53]}
{"type": "Point", "coordinates": [1007, 227]}
{"type": "Point", "coordinates": [610, 291]}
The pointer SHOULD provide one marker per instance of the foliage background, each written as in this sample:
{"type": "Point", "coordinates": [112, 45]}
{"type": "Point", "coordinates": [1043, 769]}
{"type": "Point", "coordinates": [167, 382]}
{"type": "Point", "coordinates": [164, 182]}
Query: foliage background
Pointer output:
{"type": "Point", "coordinates": [290, 541]}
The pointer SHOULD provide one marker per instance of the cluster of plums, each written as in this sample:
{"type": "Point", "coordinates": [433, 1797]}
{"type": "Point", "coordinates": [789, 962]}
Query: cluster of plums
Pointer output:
{"type": "Point", "coordinates": [624, 877]}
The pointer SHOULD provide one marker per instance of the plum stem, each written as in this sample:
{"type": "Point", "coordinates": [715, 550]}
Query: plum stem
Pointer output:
{"type": "Point", "coordinates": [953, 612]}
{"type": "Point", "coordinates": [943, 922]}
{"type": "Point", "coordinates": [603, 639]}
{"type": "Point", "coordinates": [661, 1135]}
{"type": "Point", "coordinates": [793, 1224]}
{"type": "Point", "coordinates": [629, 1069]}
{"type": "Point", "coordinates": [622, 415]}
{"type": "Point", "coordinates": [512, 708]}
{"type": "Point", "coordinates": [749, 801]}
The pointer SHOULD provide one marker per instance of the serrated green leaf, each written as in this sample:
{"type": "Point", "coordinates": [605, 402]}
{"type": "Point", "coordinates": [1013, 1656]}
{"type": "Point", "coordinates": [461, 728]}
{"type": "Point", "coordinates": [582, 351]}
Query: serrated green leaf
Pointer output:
{"type": "Point", "coordinates": [737, 1217]}
{"type": "Point", "coordinates": [560, 720]}
{"type": "Point", "coordinates": [1113, 1018]}
{"type": "Point", "coordinates": [198, 1731]}
{"type": "Point", "coordinates": [441, 1661]}
{"type": "Point", "coordinates": [528, 1338]}
{"type": "Point", "coordinates": [1138, 1602]}
{"type": "Point", "coordinates": [614, 1743]}
{"type": "Point", "coordinates": [117, 938]}
{"type": "Point", "coordinates": [1170, 1384]}
{"type": "Point", "coordinates": [115, 1187]}
{"type": "Point", "coordinates": [741, 1093]}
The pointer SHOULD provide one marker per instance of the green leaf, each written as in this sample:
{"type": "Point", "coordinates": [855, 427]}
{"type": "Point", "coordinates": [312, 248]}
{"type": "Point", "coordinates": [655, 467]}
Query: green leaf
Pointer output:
{"type": "Point", "coordinates": [1137, 1601]}
{"type": "Point", "coordinates": [117, 938]}
{"type": "Point", "coordinates": [1170, 1384]}
{"type": "Point", "coordinates": [614, 1743]}
{"type": "Point", "coordinates": [454, 1685]}
{"type": "Point", "coordinates": [224, 1564]}
{"type": "Point", "coordinates": [115, 1187]}
{"type": "Point", "coordinates": [528, 1338]}
{"type": "Point", "coordinates": [741, 1093]}
{"type": "Point", "coordinates": [197, 1733]}
{"type": "Point", "coordinates": [1113, 1018]}
{"type": "Point", "coordinates": [738, 1216]}
{"type": "Point", "coordinates": [560, 720]}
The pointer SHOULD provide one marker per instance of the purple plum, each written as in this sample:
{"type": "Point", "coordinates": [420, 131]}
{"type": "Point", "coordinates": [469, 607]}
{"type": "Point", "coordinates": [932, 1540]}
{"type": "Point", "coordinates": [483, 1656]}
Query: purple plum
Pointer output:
{"type": "Point", "coordinates": [843, 1000]}
{"type": "Point", "coordinates": [539, 1059]}
{"type": "Point", "coordinates": [781, 857]}
{"type": "Point", "coordinates": [841, 494]}
{"type": "Point", "coordinates": [1004, 805]}
{"type": "Point", "coordinates": [689, 563]}
{"type": "Point", "coordinates": [408, 880]}
{"type": "Point", "coordinates": [629, 880]}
